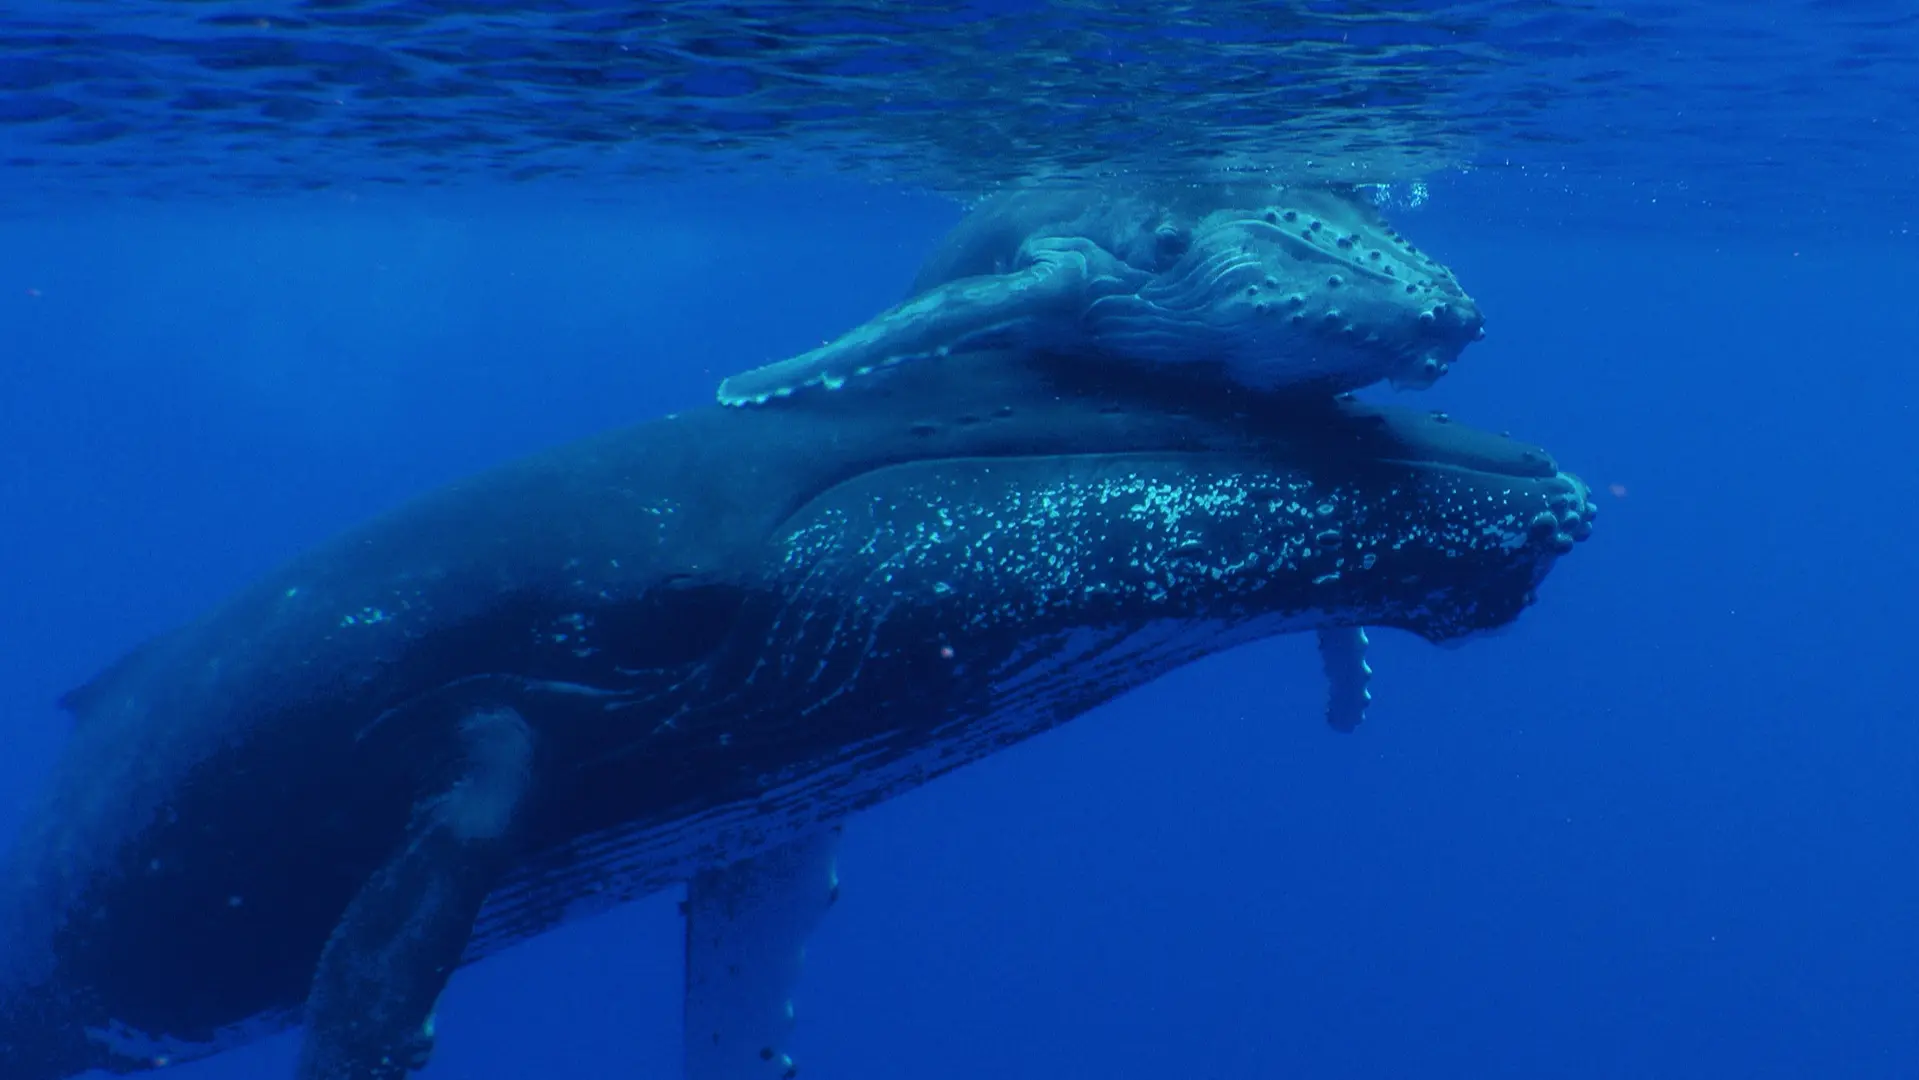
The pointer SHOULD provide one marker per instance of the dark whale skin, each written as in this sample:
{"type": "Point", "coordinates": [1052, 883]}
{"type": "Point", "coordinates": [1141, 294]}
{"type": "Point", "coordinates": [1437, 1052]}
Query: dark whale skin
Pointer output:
{"type": "Point", "coordinates": [723, 629]}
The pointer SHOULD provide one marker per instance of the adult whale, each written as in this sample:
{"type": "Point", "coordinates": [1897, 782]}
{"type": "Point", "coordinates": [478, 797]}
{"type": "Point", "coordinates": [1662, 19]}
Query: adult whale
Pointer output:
{"type": "Point", "coordinates": [684, 651]}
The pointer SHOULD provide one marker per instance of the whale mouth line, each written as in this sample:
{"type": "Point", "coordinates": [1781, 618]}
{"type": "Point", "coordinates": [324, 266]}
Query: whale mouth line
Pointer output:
{"type": "Point", "coordinates": [1294, 242]}
{"type": "Point", "coordinates": [1520, 469]}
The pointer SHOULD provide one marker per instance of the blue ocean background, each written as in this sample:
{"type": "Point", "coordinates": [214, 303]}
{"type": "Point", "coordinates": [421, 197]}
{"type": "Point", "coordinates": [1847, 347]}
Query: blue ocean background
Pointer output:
{"type": "Point", "coordinates": [1662, 827]}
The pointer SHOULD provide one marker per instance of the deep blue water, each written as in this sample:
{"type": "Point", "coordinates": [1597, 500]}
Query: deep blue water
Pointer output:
{"type": "Point", "coordinates": [1664, 826]}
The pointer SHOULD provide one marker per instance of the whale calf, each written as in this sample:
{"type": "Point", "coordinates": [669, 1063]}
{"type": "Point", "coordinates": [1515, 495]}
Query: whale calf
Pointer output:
{"type": "Point", "coordinates": [684, 652]}
{"type": "Point", "coordinates": [1276, 288]}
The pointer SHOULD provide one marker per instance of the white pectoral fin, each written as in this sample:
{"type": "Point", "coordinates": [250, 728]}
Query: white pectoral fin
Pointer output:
{"type": "Point", "coordinates": [1022, 307]}
{"type": "Point", "coordinates": [1343, 650]}
{"type": "Point", "coordinates": [746, 930]}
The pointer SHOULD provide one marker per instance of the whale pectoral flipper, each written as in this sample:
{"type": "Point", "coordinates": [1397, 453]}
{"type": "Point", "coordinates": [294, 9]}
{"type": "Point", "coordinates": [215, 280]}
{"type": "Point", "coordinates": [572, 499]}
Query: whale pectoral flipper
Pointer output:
{"type": "Point", "coordinates": [746, 930]}
{"type": "Point", "coordinates": [1343, 651]}
{"type": "Point", "coordinates": [1029, 305]}
{"type": "Point", "coordinates": [369, 1013]}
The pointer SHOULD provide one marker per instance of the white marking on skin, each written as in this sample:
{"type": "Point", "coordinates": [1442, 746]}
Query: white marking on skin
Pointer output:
{"type": "Point", "coordinates": [366, 616]}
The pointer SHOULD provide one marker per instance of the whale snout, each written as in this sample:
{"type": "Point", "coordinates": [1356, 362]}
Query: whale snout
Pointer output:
{"type": "Point", "coordinates": [1320, 294]}
{"type": "Point", "coordinates": [1568, 517]}
{"type": "Point", "coordinates": [1438, 334]}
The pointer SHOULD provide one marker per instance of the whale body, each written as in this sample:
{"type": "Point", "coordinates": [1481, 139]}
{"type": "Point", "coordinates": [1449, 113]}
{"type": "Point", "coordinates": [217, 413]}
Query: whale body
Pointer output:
{"type": "Point", "coordinates": [684, 652]}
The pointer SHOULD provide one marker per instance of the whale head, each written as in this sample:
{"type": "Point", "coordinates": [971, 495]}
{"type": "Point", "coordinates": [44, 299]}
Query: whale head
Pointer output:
{"type": "Point", "coordinates": [1290, 287]}
{"type": "Point", "coordinates": [1179, 515]}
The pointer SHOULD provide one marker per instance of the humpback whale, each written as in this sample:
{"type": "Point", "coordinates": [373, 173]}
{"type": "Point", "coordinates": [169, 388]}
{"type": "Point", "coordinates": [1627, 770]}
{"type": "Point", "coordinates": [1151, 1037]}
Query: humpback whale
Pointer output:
{"type": "Point", "coordinates": [1275, 287]}
{"type": "Point", "coordinates": [685, 651]}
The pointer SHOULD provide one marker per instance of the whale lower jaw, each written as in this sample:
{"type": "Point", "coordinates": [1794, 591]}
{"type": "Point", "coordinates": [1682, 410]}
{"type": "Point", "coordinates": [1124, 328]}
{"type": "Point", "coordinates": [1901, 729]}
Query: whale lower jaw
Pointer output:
{"type": "Point", "coordinates": [1082, 669]}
